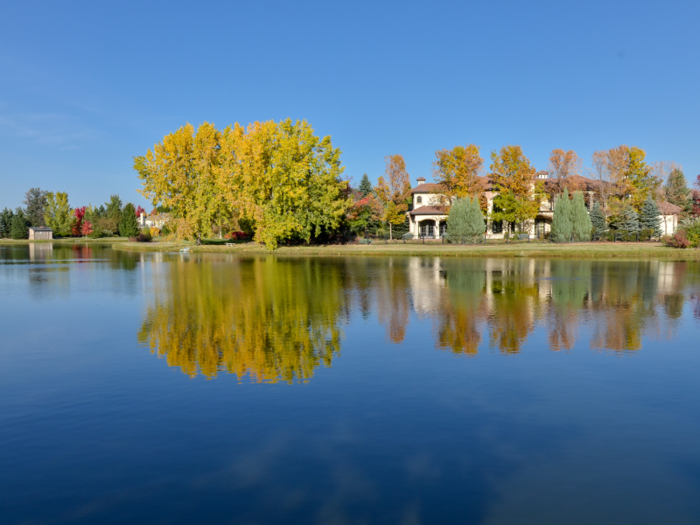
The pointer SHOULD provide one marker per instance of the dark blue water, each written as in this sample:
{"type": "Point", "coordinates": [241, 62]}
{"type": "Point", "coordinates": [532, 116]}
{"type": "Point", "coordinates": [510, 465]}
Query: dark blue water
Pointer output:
{"type": "Point", "coordinates": [184, 389]}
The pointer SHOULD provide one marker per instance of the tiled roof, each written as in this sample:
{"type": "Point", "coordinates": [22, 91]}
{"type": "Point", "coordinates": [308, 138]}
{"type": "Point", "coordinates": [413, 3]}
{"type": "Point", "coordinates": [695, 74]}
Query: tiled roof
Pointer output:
{"type": "Point", "coordinates": [428, 187]}
{"type": "Point", "coordinates": [667, 208]}
{"type": "Point", "coordinates": [429, 210]}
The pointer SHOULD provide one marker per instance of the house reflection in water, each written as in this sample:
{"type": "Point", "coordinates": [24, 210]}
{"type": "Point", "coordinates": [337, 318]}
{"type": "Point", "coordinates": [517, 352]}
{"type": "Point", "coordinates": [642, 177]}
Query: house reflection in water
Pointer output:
{"type": "Point", "coordinates": [278, 319]}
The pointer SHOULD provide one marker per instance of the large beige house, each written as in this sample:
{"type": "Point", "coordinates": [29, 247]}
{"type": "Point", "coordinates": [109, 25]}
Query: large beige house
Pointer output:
{"type": "Point", "coordinates": [428, 215]}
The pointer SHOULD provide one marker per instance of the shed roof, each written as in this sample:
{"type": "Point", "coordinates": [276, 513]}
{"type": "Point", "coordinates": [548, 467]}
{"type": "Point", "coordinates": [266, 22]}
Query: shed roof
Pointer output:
{"type": "Point", "coordinates": [666, 208]}
{"type": "Point", "coordinates": [41, 228]}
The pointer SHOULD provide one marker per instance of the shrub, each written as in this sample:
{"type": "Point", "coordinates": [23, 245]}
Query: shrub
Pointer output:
{"type": "Point", "coordinates": [365, 241]}
{"type": "Point", "coordinates": [678, 240]}
{"type": "Point", "coordinates": [237, 236]}
{"type": "Point", "coordinates": [154, 231]}
{"type": "Point", "coordinates": [407, 236]}
{"type": "Point", "coordinates": [143, 236]}
{"type": "Point", "coordinates": [562, 224]}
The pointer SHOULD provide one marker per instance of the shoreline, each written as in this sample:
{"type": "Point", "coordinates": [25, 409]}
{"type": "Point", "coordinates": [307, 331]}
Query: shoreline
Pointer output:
{"type": "Point", "coordinates": [67, 240]}
{"type": "Point", "coordinates": [539, 250]}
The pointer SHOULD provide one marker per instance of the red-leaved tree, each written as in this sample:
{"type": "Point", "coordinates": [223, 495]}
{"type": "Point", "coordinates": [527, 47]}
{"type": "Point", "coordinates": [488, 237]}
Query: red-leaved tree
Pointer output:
{"type": "Point", "coordinates": [86, 228]}
{"type": "Point", "coordinates": [79, 214]}
{"type": "Point", "coordinates": [139, 211]}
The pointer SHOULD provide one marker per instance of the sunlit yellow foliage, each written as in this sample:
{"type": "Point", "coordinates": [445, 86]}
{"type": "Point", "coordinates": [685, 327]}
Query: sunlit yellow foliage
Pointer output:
{"type": "Point", "coordinates": [269, 319]}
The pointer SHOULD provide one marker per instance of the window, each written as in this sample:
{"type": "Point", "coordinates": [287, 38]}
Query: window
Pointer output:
{"type": "Point", "coordinates": [419, 200]}
{"type": "Point", "coordinates": [497, 227]}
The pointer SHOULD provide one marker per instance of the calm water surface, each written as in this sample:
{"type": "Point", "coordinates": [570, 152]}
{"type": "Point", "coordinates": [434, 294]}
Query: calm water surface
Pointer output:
{"type": "Point", "coordinates": [168, 388]}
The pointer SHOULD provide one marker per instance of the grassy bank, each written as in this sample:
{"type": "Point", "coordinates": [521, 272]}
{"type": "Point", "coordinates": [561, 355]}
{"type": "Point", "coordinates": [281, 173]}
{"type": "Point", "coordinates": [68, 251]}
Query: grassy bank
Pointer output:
{"type": "Point", "coordinates": [69, 240]}
{"type": "Point", "coordinates": [574, 251]}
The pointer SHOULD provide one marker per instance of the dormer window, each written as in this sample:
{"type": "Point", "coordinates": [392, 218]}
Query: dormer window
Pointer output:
{"type": "Point", "coordinates": [419, 200]}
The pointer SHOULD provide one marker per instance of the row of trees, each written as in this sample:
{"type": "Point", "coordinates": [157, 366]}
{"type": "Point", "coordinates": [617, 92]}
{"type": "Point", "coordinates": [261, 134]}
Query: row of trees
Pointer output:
{"type": "Point", "coordinates": [282, 183]}
{"type": "Point", "coordinates": [43, 208]}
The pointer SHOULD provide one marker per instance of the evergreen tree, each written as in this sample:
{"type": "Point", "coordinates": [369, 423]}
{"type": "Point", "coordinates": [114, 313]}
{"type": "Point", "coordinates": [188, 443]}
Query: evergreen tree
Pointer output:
{"type": "Point", "coordinates": [365, 186]}
{"type": "Point", "coordinates": [465, 220]}
{"type": "Point", "coordinates": [598, 222]}
{"type": "Point", "coordinates": [5, 223]}
{"type": "Point", "coordinates": [35, 201]}
{"type": "Point", "coordinates": [114, 211]}
{"type": "Point", "coordinates": [677, 191]}
{"type": "Point", "coordinates": [650, 219]}
{"type": "Point", "coordinates": [581, 221]}
{"type": "Point", "coordinates": [475, 220]}
{"type": "Point", "coordinates": [458, 220]}
{"type": "Point", "coordinates": [129, 225]}
{"type": "Point", "coordinates": [562, 224]}
{"type": "Point", "coordinates": [628, 220]}
{"type": "Point", "coordinates": [19, 228]}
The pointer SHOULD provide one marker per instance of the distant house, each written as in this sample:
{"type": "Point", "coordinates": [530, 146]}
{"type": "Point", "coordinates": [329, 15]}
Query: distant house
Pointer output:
{"type": "Point", "coordinates": [669, 217]}
{"type": "Point", "coordinates": [40, 233]}
{"type": "Point", "coordinates": [149, 221]}
{"type": "Point", "coordinates": [429, 210]}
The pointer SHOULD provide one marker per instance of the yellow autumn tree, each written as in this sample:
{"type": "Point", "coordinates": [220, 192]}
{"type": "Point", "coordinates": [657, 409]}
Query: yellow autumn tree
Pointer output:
{"type": "Point", "coordinates": [284, 179]}
{"type": "Point", "coordinates": [458, 171]}
{"type": "Point", "coordinates": [394, 191]}
{"type": "Point", "coordinates": [514, 177]}
{"type": "Point", "coordinates": [179, 173]}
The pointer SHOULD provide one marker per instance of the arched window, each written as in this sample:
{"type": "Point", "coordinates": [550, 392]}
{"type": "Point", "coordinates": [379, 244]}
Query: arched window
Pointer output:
{"type": "Point", "coordinates": [419, 200]}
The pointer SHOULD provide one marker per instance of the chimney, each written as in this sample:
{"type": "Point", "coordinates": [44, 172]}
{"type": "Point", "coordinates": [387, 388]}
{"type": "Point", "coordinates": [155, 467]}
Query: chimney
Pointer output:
{"type": "Point", "coordinates": [421, 180]}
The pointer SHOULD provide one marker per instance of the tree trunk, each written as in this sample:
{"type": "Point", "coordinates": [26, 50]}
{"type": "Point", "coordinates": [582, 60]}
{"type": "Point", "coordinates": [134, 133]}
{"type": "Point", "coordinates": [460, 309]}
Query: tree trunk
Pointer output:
{"type": "Point", "coordinates": [390, 233]}
{"type": "Point", "coordinates": [199, 240]}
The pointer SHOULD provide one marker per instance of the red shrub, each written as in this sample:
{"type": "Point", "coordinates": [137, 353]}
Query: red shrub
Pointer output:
{"type": "Point", "coordinates": [238, 236]}
{"type": "Point", "coordinates": [679, 240]}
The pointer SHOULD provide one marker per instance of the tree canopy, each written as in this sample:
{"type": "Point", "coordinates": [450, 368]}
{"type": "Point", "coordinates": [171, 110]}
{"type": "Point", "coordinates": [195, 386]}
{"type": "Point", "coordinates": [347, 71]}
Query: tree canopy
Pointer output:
{"type": "Point", "coordinates": [458, 171]}
{"type": "Point", "coordinates": [280, 177]}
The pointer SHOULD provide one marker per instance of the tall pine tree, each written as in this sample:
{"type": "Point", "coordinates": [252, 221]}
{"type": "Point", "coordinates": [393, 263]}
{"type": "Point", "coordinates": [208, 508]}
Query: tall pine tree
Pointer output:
{"type": "Point", "coordinates": [19, 229]}
{"type": "Point", "coordinates": [5, 223]}
{"type": "Point", "coordinates": [677, 191]}
{"type": "Point", "coordinates": [365, 186]}
{"type": "Point", "coordinates": [581, 221]}
{"type": "Point", "coordinates": [128, 225]}
{"type": "Point", "coordinates": [598, 222]}
{"type": "Point", "coordinates": [562, 225]}
{"type": "Point", "coordinates": [650, 218]}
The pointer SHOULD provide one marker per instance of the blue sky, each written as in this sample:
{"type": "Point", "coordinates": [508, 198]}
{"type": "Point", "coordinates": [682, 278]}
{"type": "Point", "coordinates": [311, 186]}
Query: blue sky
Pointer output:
{"type": "Point", "coordinates": [85, 86]}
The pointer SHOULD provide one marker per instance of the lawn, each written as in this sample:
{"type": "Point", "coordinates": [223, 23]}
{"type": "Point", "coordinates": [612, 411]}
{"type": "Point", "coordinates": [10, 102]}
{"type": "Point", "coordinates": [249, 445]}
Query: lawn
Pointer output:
{"type": "Point", "coordinates": [598, 250]}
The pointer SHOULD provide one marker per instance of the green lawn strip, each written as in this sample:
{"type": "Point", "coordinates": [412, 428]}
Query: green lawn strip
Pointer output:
{"type": "Point", "coordinates": [578, 251]}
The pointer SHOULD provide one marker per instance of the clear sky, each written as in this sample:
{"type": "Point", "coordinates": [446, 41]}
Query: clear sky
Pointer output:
{"type": "Point", "coordinates": [85, 86]}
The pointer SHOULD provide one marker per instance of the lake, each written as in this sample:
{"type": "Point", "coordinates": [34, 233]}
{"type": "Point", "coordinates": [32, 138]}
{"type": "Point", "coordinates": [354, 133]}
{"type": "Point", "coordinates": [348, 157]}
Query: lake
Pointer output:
{"type": "Point", "coordinates": [207, 388]}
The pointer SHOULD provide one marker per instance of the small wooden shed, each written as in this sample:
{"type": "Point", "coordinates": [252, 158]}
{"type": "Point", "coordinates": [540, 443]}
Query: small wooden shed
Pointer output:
{"type": "Point", "coordinates": [40, 233]}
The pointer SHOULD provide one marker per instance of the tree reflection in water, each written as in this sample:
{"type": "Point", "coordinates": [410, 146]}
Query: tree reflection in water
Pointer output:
{"type": "Point", "coordinates": [273, 320]}
{"type": "Point", "coordinates": [279, 319]}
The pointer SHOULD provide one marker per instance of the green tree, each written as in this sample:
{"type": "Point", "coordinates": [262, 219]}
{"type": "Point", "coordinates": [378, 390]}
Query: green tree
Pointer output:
{"type": "Point", "coordinates": [650, 218]}
{"type": "Point", "coordinates": [365, 186]}
{"type": "Point", "coordinates": [677, 191]}
{"type": "Point", "coordinates": [113, 211]}
{"type": "Point", "coordinates": [5, 223]}
{"type": "Point", "coordinates": [465, 220]}
{"type": "Point", "coordinates": [562, 220]}
{"type": "Point", "coordinates": [58, 215]}
{"type": "Point", "coordinates": [598, 222]}
{"type": "Point", "coordinates": [19, 228]}
{"type": "Point", "coordinates": [35, 202]}
{"type": "Point", "coordinates": [129, 225]}
{"type": "Point", "coordinates": [628, 220]}
{"type": "Point", "coordinates": [581, 221]}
